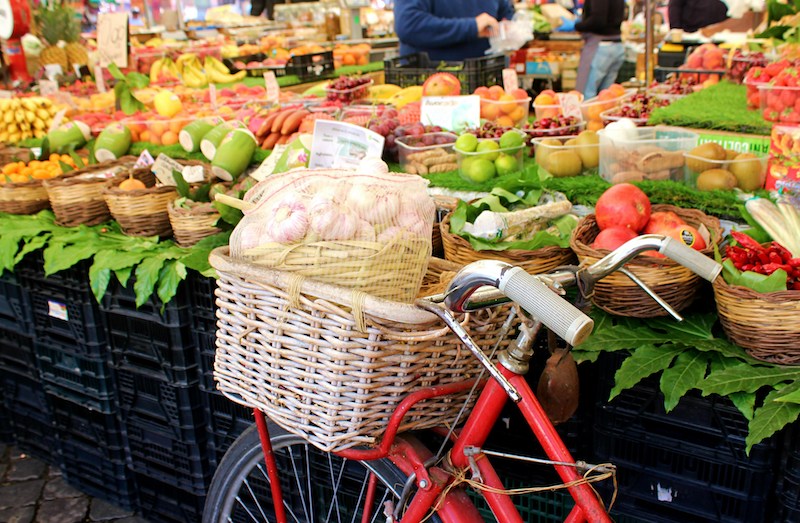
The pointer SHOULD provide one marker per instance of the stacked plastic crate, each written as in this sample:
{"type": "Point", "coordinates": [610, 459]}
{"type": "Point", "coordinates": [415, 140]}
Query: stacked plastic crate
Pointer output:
{"type": "Point", "coordinates": [162, 413]}
{"type": "Point", "coordinates": [688, 465]}
{"type": "Point", "coordinates": [226, 419]}
{"type": "Point", "coordinates": [75, 367]}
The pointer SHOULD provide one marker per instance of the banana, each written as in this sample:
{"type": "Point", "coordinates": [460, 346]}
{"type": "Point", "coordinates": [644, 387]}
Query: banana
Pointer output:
{"type": "Point", "coordinates": [155, 70]}
{"type": "Point", "coordinates": [212, 63]}
{"type": "Point", "coordinates": [26, 135]}
{"type": "Point", "coordinates": [39, 124]}
{"type": "Point", "coordinates": [194, 78]}
{"type": "Point", "coordinates": [15, 103]}
{"type": "Point", "coordinates": [224, 78]}
{"type": "Point", "coordinates": [380, 93]}
{"type": "Point", "coordinates": [43, 114]}
{"type": "Point", "coordinates": [13, 137]}
{"type": "Point", "coordinates": [12, 128]}
{"type": "Point", "coordinates": [19, 116]}
{"type": "Point", "coordinates": [30, 116]}
{"type": "Point", "coordinates": [8, 116]}
{"type": "Point", "coordinates": [5, 104]}
{"type": "Point", "coordinates": [3, 136]}
{"type": "Point", "coordinates": [24, 126]}
{"type": "Point", "coordinates": [38, 133]}
{"type": "Point", "coordinates": [185, 58]}
{"type": "Point", "coordinates": [406, 96]}
{"type": "Point", "coordinates": [29, 104]}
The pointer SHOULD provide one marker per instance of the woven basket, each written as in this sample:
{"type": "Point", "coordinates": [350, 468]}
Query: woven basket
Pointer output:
{"type": "Point", "coordinates": [23, 198]}
{"type": "Point", "coordinates": [189, 226]}
{"type": "Point", "coordinates": [141, 212]}
{"type": "Point", "coordinates": [12, 153]}
{"type": "Point", "coordinates": [77, 197]}
{"type": "Point", "coordinates": [459, 250]}
{"type": "Point", "coordinates": [438, 275]}
{"type": "Point", "coordinates": [765, 324]}
{"type": "Point", "coordinates": [618, 294]}
{"type": "Point", "coordinates": [331, 364]}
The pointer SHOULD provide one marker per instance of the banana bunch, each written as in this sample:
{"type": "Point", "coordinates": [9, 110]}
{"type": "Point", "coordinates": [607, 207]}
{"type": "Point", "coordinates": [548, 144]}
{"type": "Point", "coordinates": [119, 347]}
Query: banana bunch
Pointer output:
{"type": "Point", "coordinates": [198, 75]}
{"type": "Point", "coordinates": [381, 93]}
{"type": "Point", "coordinates": [164, 70]}
{"type": "Point", "coordinates": [405, 96]}
{"type": "Point", "coordinates": [218, 73]}
{"type": "Point", "coordinates": [24, 118]}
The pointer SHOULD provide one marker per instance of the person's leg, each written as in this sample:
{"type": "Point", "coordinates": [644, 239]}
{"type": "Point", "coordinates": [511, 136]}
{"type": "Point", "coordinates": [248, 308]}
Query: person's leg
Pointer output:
{"type": "Point", "coordinates": [588, 51]}
{"type": "Point", "coordinates": [270, 9]}
{"type": "Point", "coordinates": [256, 7]}
{"type": "Point", "coordinates": [615, 56]}
{"type": "Point", "coordinates": [604, 67]}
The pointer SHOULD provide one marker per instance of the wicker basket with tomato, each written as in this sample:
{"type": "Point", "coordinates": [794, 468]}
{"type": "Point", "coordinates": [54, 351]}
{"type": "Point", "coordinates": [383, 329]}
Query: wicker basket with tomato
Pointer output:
{"type": "Point", "coordinates": [758, 299]}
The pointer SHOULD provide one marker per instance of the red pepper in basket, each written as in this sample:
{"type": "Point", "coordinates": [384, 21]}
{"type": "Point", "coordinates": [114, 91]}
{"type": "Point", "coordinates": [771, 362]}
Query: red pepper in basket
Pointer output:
{"type": "Point", "coordinates": [746, 241]}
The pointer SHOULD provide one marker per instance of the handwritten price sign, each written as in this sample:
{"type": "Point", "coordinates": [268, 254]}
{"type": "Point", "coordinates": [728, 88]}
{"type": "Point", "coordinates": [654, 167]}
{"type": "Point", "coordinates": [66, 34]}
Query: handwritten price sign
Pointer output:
{"type": "Point", "coordinates": [112, 39]}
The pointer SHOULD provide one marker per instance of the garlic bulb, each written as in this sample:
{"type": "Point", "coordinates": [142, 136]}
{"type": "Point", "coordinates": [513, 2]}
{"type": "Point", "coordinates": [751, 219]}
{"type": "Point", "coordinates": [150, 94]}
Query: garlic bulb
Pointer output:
{"type": "Point", "coordinates": [411, 221]}
{"type": "Point", "coordinates": [383, 210]}
{"type": "Point", "coordinates": [365, 231]}
{"type": "Point", "coordinates": [372, 165]}
{"type": "Point", "coordinates": [250, 235]}
{"type": "Point", "coordinates": [332, 223]}
{"type": "Point", "coordinates": [391, 234]}
{"type": "Point", "coordinates": [325, 195]}
{"type": "Point", "coordinates": [290, 221]}
{"type": "Point", "coordinates": [361, 199]}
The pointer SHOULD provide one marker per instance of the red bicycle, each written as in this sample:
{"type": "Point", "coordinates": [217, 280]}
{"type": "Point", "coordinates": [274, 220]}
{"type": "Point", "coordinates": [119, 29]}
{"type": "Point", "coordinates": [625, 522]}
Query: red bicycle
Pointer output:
{"type": "Point", "coordinates": [269, 474]}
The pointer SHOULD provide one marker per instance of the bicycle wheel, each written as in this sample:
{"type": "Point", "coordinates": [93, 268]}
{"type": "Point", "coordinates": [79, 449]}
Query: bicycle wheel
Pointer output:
{"type": "Point", "coordinates": [317, 486]}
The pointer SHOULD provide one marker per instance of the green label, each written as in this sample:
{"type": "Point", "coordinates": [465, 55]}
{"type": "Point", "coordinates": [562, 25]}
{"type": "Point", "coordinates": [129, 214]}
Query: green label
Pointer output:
{"type": "Point", "coordinates": [758, 145]}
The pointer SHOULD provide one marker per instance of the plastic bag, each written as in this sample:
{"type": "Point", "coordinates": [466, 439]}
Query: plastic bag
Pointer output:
{"type": "Point", "coordinates": [737, 8]}
{"type": "Point", "coordinates": [370, 232]}
{"type": "Point", "coordinates": [512, 34]}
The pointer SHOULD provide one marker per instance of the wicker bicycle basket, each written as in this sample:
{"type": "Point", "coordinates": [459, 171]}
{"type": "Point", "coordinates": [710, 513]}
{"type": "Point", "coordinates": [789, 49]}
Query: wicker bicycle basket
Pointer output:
{"type": "Point", "coordinates": [765, 324]}
{"type": "Point", "coordinates": [23, 198]}
{"type": "Point", "coordinates": [459, 250]}
{"type": "Point", "coordinates": [189, 226]}
{"type": "Point", "coordinates": [331, 364]}
{"type": "Point", "coordinates": [77, 197]}
{"type": "Point", "coordinates": [618, 294]}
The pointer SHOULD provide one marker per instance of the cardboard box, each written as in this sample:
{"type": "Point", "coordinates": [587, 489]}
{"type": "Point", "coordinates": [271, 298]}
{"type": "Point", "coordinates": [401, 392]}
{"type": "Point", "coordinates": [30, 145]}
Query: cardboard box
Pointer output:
{"type": "Point", "coordinates": [554, 13]}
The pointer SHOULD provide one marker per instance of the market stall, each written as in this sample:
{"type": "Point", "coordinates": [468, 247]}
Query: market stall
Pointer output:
{"type": "Point", "coordinates": [118, 183]}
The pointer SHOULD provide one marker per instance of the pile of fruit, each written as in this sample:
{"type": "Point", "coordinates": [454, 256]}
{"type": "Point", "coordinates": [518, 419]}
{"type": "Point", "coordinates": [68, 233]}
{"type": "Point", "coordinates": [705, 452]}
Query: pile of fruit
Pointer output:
{"type": "Point", "coordinates": [24, 118]}
{"type": "Point", "coordinates": [504, 109]}
{"type": "Point", "coordinates": [346, 89]}
{"type": "Point", "coordinates": [549, 104]}
{"type": "Point", "coordinates": [20, 172]}
{"type": "Point", "coordinates": [569, 156]}
{"type": "Point", "coordinates": [712, 167]}
{"type": "Point", "coordinates": [637, 108]}
{"type": "Point", "coordinates": [606, 99]}
{"type": "Point", "coordinates": [741, 63]}
{"type": "Point", "coordinates": [707, 57]}
{"type": "Point", "coordinates": [191, 72]}
{"type": "Point", "coordinates": [480, 160]}
{"type": "Point", "coordinates": [750, 255]}
{"type": "Point", "coordinates": [782, 73]}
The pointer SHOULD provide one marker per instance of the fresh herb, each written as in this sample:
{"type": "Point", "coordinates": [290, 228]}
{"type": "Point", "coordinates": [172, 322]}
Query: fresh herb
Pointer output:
{"type": "Point", "coordinates": [124, 88]}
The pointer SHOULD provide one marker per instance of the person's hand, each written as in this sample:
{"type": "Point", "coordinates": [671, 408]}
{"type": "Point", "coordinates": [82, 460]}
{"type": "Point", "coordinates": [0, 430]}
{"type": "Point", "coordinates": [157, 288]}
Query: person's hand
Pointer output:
{"type": "Point", "coordinates": [487, 25]}
{"type": "Point", "coordinates": [567, 25]}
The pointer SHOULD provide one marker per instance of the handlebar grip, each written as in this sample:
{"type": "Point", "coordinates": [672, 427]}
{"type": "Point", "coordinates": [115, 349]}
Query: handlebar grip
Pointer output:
{"type": "Point", "coordinates": [539, 300]}
{"type": "Point", "coordinates": [707, 268]}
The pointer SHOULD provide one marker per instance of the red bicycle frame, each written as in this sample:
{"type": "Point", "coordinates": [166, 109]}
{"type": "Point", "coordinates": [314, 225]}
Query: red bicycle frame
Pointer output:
{"type": "Point", "coordinates": [409, 455]}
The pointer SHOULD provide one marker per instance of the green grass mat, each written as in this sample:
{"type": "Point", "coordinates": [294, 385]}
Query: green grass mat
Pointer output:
{"type": "Point", "coordinates": [719, 107]}
{"type": "Point", "coordinates": [289, 80]}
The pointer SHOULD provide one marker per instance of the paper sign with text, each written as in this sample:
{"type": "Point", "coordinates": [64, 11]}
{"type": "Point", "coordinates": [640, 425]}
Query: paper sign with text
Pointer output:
{"type": "Point", "coordinates": [570, 105]}
{"type": "Point", "coordinates": [510, 80]}
{"type": "Point", "coordinates": [273, 89]}
{"type": "Point", "coordinates": [48, 87]}
{"type": "Point", "coordinates": [112, 39]}
{"type": "Point", "coordinates": [99, 80]}
{"type": "Point", "coordinates": [340, 145]}
{"type": "Point", "coordinates": [452, 113]}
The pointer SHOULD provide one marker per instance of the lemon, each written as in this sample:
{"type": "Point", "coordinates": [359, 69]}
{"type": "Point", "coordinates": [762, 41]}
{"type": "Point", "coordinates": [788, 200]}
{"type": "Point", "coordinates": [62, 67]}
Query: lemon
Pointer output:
{"type": "Point", "coordinates": [167, 104]}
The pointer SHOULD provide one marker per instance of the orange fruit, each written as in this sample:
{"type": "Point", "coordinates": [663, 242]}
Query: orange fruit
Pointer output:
{"type": "Point", "coordinates": [504, 121]}
{"type": "Point", "coordinates": [518, 114]}
{"type": "Point", "coordinates": [490, 110]}
{"type": "Point", "coordinates": [169, 138]}
{"type": "Point", "coordinates": [508, 103]}
{"type": "Point", "coordinates": [348, 59]}
{"type": "Point", "coordinates": [495, 92]}
{"type": "Point", "coordinates": [175, 126]}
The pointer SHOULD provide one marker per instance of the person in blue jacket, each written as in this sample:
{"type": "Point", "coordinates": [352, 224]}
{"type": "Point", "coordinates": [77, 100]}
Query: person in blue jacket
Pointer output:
{"type": "Point", "coordinates": [448, 30]}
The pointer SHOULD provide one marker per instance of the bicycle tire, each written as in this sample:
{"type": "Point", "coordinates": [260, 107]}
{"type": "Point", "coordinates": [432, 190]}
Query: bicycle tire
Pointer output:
{"type": "Point", "coordinates": [239, 491]}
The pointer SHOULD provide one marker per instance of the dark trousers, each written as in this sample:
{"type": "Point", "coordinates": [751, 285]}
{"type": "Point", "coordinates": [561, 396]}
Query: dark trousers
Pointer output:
{"type": "Point", "coordinates": [257, 7]}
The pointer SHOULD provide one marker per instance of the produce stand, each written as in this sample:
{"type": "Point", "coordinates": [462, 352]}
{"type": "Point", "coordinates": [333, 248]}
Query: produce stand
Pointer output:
{"type": "Point", "coordinates": [107, 340]}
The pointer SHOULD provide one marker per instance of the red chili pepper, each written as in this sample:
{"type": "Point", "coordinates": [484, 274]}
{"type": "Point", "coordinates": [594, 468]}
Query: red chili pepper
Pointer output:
{"type": "Point", "coordinates": [796, 286]}
{"type": "Point", "coordinates": [794, 262]}
{"type": "Point", "coordinates": [763, 257]}
{"type": "Point", "coordinates": [746, 241]}
{"type": "Point", "coordinates": [772, 267]}
{"type": "Point", "coordinates": [747, 267]}
{"type": "Point", "coordinates": [774, 257]}
{"type": "Point", "coordinates": [782, 251]}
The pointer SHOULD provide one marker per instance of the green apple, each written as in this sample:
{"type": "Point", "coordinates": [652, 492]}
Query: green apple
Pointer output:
{"type": "Point", "coordinates": [511, 139]}
{"type": "Point", "coordinates": [506, 164]}
{"type": "Point", "coordinates": [479, 170]}
{"type": "Point", "coordinates": [467, 143]}
{"type": "Point", "coordinates": [489, 147]}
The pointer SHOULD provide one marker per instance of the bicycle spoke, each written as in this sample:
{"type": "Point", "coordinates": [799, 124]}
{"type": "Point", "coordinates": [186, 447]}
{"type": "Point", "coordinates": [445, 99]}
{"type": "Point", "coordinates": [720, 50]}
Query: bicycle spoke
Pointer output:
{"type": "Point", "coordinates": [360, 498]}
{"type": "Point", "coordinates": [300, 487]}
{"type": "Point", "coordinates": [386, 494]}
{"type": "Point", "coordinates": [241, 503]}
{"type": "Point", "coordinates": [335, 483]}
{"type": "Point", "coordinates": [255, 499]}
{"type": "Point", "coordinates": [285, 504]}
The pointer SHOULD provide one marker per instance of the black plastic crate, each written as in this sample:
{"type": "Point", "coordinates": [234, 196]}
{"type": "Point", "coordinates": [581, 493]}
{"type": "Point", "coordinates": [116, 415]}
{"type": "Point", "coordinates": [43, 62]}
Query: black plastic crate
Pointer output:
{"type": "Point", "coordinates": [15, 305]}
{"type": "Point", "coordinates": [179, 457]}
{"type": "Point", "coordinates": [75, 422]}
{"type": "Point", "coordinates": [787, 506]}
{"type": "Point", "coordinates": [307, 67]}
{"type": "Point", "coordinates": [6, 430]}
{"type": "Point", "coordinates": [84, 380]}
{"type": "Point", "coordinates": [541, 507]}
{"type": "Point", "coordinates": [160, 402]}
{"type": "Point", "coordinates": [203, 301]}
{"type": "Point", "coordinates": [206, 343]}
{"type": "Point", "coordinates": [100, 473]}
{"type": "Point", "coordinates": [122, 300]}
{"type": "Point", "coordinates": [678, 479]}
{"type": "Point", "coordinates": [226, 421]}
{"type": "Point", "coordinates": [31, 417]}
{"type": "Point", "coordinates": [163, 502]}
{"type": "Point", "coordinates": [31, 274]}
{"type": "Point", "coordinates": [68, 316]}
{"type": "Point", "coordinates": [415, 68]}
{"type": "Point", "coordinates": [16, 354]}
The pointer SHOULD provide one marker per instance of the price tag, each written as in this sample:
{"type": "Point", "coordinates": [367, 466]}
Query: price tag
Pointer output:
{"type": "Point", "coordinates": [4, 94]}
{"type": "Point", "coordinates": [145, 160]}
{"type": "Point", "coordinates": [99, 80]}
{"type": "Point", "coordinates": [57, 119]}
{"type": "Point", "coordinates": [212, 95]}
{"type": "Point", "coordinates": [163, 167]}
{"type": "Point", "coordinates": [510, 80]}
{"type": "Point", "coordinates": [112, 39]}
{"type": "Point", "coordinates": [453, 113]}
{"type": "Point", "coordinates": [48, 87]}
{"type": "Point", "coordinates": [570, 105]}
{"type": "Point", "coordinates": [273, 89]}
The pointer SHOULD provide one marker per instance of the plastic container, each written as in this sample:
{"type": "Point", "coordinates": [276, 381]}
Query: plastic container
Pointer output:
{"type": "Point", "coordinates": [552, 110]}
{"type": "Point", "coordinates": [608, 116]}
{"type": "Point", "coordinates": [750, 171]}
{"type": "Point", "coordinates": [16, 354]}
{"type": "Point", "coordinates": [506, 113]}
{"type": "Point", "coordinates": [15, 306]}
{"type": "Point", "coordinates": [481, 166]}
{"type": "Point", "coordinates": [436, 148]}
{"type": "Point", "coordinates": [560, 158]}
{"type": "Point", "coordinates": [158, 130]}
{"type": "Point", "coordinates": [567, 130]}
{"type": "Point", "coordinates": [415, 68]}
{"type": "Point", "coordinates": [358, 92]}
{"type": "Point", "coordinates": [779, 104]}
{"type": "Point", "coordinates": [591, 108]}
{"type": "Point", "coordinates": [644, 153]}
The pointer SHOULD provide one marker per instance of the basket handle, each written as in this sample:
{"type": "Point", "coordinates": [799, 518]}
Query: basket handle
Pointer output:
{"type": "Point", "coordinates": [236, 203]}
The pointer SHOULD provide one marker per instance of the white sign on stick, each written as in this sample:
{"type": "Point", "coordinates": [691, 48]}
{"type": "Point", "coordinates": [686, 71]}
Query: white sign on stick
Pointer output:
{"type": "Point", "coordinates": [112, 39]}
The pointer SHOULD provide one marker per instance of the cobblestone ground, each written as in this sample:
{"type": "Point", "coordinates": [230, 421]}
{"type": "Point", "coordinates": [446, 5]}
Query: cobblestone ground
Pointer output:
{"type": "Point", "coordinates": [33, 492]}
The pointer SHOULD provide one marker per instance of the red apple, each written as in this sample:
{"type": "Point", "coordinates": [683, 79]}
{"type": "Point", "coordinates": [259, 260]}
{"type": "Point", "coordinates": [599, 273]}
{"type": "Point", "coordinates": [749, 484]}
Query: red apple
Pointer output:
{"type": "Point", "coordinates": [612, 238]}
{"type": "Point", "coordinates": [662, 222]}
{"type": "Point", "coordinates": [623, 205]}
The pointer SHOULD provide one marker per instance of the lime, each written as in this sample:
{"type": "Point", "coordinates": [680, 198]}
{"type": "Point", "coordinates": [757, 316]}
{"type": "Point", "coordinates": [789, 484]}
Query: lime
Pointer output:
{"type": "Point", "coordinates": [488, 146]}
{"type": "Point", "coordinates": [506, 164]}
{"type": "Point", "coordinates": [511, 139]}
{"type": "Point", "coordinates": [467, 142]}
{"type": "Point", "coordinates": [479, 170]}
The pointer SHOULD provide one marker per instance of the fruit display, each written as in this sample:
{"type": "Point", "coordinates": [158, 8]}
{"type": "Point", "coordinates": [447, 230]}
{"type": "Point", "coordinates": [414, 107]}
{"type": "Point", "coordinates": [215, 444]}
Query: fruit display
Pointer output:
{"type": "Point", "coordinates": [751, 256]}
{"type": "Point", "coordinates": [382, 93]}
{"type": "Point", "coordinates": [605, 100]}
{"type": "Point", "coordinates": [504, 109]}
{"type": "Point", "coordinates": [636, 108]}
{"type": "Point", "coordinates": [441, 84]}
{"type": "Point", "coordinates": [558, 126]}
{"type": "Point", "coordinates": [60, 29]}
{"type": "Point", "coordinates": [629, 153]}
{"type": "Point", "coordinates": [549, 104]}
{"type": "Point", "coordinates": [757, 76]}
{"type": "Point", "coordinates": [711, 167]}
{"type": "Point", "coordinates": [357, 54]}
{"type": "Point", "coordinates": [279, 127]}
{"type": "Point", "coordinates": [429, 153]}
{"type": "Point", "coordinates": [480, 160]}
{"type": "Point", "coordinates": [741, 62]}
{"type": "Point", "coordinates": [189, 70]}
{"type": "Point", "coordinates": [20, 172]}
{"type": "Point", "coordinates": [779, 99]}
{"type": "Point", "coordinates": [624, 212]}
{"type": "Point", "coordinates": [706, 58]}
{"type": "Point", "coordinates": [347, 89]}
{"type": "Point", "coordinates": [569, 155]}
{"type": "Point", "coordinates": [23, 118]}
{"type": "Point", "coordinates": [674, 87]}
{"type": "Point", "coordinates": [405, 96]}
{"type": "Point", "coordinates": [156, 129]}
{"type": "Point", "coordinates": [414, 130]}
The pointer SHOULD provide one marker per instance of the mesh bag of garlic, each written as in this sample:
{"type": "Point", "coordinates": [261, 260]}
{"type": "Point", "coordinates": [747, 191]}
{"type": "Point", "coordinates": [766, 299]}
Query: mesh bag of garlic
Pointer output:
{"type": "Point", "coordinates": [368, 232]}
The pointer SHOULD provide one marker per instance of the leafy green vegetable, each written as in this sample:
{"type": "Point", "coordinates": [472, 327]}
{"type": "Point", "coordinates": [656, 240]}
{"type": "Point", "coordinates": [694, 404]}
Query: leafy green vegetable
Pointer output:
{"type": "Point", "coordinates": [123, 89]}
{"type": "Point", "coordinates": [772, 416]}
{"type": "Point", "coordinates": [752, 280]}
{"type": "Point", "coordinates": [687, 370]}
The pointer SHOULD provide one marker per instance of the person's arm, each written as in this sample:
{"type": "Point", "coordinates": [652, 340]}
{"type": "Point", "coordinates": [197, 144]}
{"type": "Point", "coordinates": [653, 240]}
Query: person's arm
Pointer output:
{"type": "Point", "coordinates": [506, 11]}
{"type": "Point", "coordinates": [596, 21]}
{"type": "Point", "coordinates": [415, 24]}
{"type": "Point", "coordinates": [674, 10]}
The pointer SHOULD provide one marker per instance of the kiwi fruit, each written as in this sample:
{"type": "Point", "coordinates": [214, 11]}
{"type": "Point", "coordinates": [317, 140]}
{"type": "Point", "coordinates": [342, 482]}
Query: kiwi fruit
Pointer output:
{"type": "Point", "coordinates": [696, 161]}
{"type": "Point", "coordinates": [562, 164]}
{"type": "Point", "coordinates": [748, 170]}
{"type": "Point", "coordinates": [730, 154]}
{"type": "Point", "coordinates": [588, 149]}
{"type": "Point", "coordinates": [716, 180]}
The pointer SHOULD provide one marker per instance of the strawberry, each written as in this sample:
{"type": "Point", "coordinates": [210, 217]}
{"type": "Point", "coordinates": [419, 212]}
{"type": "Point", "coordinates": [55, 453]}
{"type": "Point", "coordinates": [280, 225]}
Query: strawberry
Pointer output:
{"type": "Point", "coordinates": [790, 116]}
{"type": "Point", "coordinates": [787, 97]}
{"type": "Point", "coordinates": [775, 68]}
